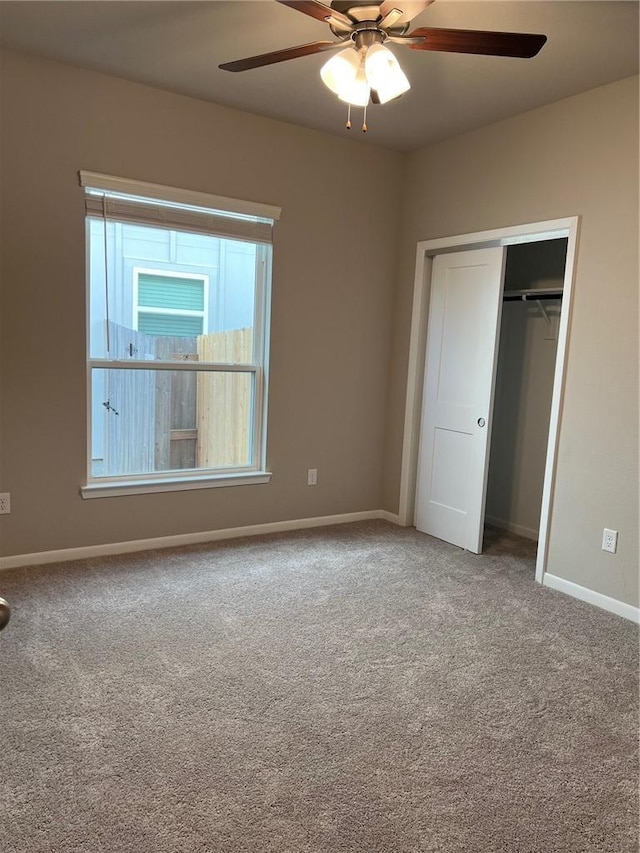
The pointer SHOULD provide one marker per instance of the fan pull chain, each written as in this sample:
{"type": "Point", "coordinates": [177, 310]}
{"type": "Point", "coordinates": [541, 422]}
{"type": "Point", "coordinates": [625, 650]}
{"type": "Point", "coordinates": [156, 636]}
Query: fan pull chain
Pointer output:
{"type": "Point", "coordinates": [364, 119]}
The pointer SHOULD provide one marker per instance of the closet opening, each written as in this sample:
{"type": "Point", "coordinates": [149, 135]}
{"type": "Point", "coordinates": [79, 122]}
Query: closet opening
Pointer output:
{"type": "Point", "coordinates": [527, 352]}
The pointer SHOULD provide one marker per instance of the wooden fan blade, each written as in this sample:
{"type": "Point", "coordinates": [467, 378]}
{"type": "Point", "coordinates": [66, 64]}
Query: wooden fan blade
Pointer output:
{"type": "Point", "coordinates": [280, 55]}
{"type": "Point", "coordinates": [410, 9]}
{"type": "Point", "coordinates": [318, 10]}
{"type": "Point", "coordinates": [523, 45]}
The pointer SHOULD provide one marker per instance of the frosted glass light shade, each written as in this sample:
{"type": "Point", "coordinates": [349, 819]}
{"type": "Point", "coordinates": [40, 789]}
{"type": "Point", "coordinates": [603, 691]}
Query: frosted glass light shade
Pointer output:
{"type": "Point", "coordinates": [357, 92]}
{"type": "Point", "coordinates": [384, 73]}
{"type": "Point", "coordinates": [341, 70]}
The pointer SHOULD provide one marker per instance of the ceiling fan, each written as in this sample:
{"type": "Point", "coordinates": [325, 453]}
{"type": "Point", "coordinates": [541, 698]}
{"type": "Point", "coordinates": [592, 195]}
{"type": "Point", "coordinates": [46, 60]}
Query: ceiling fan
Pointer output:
{"type": "Point", "coordinates": [366, 70]}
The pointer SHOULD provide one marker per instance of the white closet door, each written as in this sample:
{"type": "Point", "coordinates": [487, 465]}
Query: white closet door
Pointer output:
{"type": "Point", "coordinates": [462, 344]}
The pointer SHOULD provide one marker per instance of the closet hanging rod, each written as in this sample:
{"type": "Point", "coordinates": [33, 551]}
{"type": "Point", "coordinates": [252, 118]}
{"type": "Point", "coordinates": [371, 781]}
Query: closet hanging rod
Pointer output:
{"type": "Point", "coordinates": [532, 294]}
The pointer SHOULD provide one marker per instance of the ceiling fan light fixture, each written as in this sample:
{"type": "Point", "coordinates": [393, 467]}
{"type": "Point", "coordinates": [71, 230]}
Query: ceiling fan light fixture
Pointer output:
{"type": "Point", "coordinates": [367, 69]}
{"type": "Point", "coordinates": [341, 70]}
{"type": "Point", "coordinates": [384, 73]}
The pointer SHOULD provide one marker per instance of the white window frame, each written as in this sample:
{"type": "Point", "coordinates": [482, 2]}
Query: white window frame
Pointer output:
{"type": "Point", "coordinates": [170, 312]}
{"type": "Point", "coordinates": [197, 478]}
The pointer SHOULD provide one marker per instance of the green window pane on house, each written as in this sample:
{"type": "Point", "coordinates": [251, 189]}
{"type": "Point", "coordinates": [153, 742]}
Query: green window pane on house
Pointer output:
{"type": "Point", "coordinates": [174, 325]}
{"type": "Point", "coordinates": [170, 292]}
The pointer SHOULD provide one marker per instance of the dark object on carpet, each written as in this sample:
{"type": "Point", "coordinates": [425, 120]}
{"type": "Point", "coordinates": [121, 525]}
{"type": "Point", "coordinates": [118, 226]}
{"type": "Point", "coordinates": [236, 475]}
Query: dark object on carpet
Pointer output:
{"type": "Point", "coordinates": [359, 688]}
{"type": "Point", "coordinates": [5, 613]}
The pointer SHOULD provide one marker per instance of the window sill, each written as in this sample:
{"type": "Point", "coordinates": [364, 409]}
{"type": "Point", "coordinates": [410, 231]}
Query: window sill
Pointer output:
{"type": "Point", "coordinates": [118, 488]}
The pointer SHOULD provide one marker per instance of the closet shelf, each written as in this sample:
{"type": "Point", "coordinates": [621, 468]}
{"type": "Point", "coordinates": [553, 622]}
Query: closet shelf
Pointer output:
{"type": "Point", "coordinates": [532, 294]}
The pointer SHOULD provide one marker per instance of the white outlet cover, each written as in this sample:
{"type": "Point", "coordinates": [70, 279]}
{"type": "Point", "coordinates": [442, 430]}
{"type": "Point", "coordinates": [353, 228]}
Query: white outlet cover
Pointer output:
{"type": "Point", "coordinates": [609, 540]}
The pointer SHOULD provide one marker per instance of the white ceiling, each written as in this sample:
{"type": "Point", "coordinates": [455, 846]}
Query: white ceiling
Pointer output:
{"type": "Point", "coordinates": [178, 46]}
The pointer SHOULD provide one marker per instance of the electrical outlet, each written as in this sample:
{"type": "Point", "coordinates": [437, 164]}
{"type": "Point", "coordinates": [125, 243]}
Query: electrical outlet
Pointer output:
{"type": "Point", "coordinates": [5, 503]}
{"type": "Point", "coordinates": [312, 477]}
{"type": "Point", "coordinates": [610, 540]}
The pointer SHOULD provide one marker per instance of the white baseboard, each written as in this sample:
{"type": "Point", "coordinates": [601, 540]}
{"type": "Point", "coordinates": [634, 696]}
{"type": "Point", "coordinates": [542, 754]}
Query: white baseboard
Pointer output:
{"type": "Point", "coordinates": [41, 557]}
{"type": "Point", "coordinates": [391, 517]}
{"type": "Point", "coordinates": [627, 611]}
{"type": "Point", "coordinates": [527, 532]}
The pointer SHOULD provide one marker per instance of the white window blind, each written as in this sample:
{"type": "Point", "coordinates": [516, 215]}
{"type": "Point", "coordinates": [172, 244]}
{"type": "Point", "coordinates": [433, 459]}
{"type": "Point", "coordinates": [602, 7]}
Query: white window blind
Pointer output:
{"type": "Point", "coordinates": [126, 200]}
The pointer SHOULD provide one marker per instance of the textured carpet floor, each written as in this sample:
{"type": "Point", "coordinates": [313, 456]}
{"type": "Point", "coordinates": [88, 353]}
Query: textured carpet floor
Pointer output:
{"type": "Point", "coordinates": [357, 688]}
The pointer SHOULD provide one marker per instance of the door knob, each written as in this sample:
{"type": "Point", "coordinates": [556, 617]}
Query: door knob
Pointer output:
{"type": "Point", "coordinates": [481, 422]}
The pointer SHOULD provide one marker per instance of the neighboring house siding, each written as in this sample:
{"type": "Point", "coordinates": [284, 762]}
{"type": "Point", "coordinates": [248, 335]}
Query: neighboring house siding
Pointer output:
{"type": "Point", "coordinates": [228, 264]}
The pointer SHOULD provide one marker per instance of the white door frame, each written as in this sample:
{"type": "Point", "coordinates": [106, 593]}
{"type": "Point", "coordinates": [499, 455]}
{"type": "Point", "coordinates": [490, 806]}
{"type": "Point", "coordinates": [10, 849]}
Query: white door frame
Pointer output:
{"type": "Point", "coordinates": [426, 250]}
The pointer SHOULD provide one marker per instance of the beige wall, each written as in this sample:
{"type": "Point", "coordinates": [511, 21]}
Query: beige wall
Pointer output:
{"type": "Point", "coordinates": [575, 157]}
{"type": "Point", "coordinates": [333, 278]}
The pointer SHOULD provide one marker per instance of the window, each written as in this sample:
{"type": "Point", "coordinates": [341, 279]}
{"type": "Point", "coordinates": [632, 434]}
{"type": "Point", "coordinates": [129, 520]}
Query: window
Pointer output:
{"type": "Point", "coordinates": [178, 308]}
